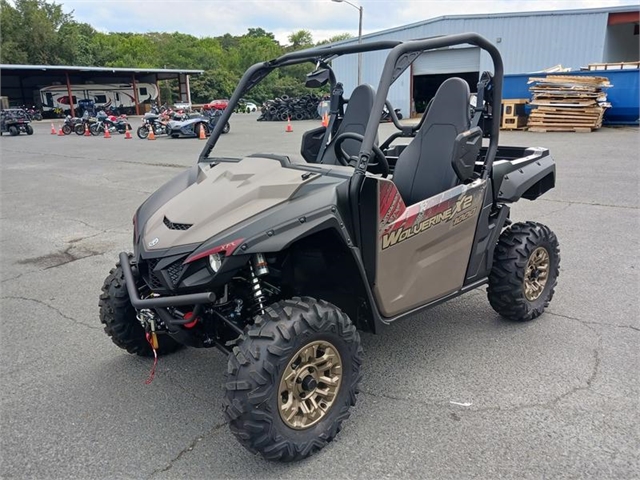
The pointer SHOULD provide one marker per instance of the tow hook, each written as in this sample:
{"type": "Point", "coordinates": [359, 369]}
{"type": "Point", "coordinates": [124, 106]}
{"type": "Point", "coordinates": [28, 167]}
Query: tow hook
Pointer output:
{"type": "Point", "coordinates": [148, 322]}
{"type": "Point", "coordinates": [154, 336]}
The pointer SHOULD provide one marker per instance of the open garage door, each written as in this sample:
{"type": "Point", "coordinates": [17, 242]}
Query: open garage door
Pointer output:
{"type": "Point", "coordinates": [432, 68]}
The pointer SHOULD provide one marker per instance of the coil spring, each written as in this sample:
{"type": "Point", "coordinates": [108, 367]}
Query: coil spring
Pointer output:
{"type": "Point", "coordinates": [257, 306]}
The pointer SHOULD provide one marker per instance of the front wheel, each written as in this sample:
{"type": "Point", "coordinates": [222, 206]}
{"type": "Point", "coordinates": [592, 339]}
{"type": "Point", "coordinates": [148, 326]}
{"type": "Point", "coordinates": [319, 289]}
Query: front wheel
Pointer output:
{"type": "Point", "coordinates": [199, 127]}
{"type": "Point", "coordinates": [79, 129]}
{"type": "Point", "coordinates": [96, 129]}
{"type": "Point", "coordinates": [142, 132]}
{"type": "Point", "coordinates": [526, 265]}
{"type": "Point", "coordinates": [66, 129]}
{"type": "Point", "coordinates": [120, 321]}
{"type": "Point", "coordinates": [293, 379]}
{"type": "Point", "coordinates": [28, 129]}
{"type": "Point", "coordinates": [226, 128]}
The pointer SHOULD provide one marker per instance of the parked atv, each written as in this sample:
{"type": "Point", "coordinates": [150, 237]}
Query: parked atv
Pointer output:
{"type": "Point", "coordinates": [190, 128]}
{"type": "Point", "coordinates": [280, 262]}
{"type": "Point", "coordinates": [14, 121]}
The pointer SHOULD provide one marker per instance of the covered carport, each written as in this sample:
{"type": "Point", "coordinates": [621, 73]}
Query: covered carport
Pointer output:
{"type": "Point", "coordinates": [19, 82]}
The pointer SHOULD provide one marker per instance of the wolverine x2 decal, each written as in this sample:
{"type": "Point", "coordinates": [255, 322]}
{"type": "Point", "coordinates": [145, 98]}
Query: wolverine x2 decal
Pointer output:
{"type": "Point", "coordinates": [399, 223]}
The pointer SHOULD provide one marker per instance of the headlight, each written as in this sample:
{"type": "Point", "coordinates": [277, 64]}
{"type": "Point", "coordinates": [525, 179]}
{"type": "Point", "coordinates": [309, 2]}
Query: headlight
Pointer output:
{"type": "Point", "coordinates": [215, 262]}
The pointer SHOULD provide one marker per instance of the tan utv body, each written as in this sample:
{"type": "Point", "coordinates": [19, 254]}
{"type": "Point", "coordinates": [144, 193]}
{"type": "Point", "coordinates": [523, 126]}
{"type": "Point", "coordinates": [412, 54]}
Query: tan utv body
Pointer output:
{"type": "Point", "coordinates": [280, 260]}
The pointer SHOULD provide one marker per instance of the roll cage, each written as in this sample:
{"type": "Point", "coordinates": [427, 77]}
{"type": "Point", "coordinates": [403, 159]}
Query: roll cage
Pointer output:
{"type": "Point", "coordinates": [401, 56]}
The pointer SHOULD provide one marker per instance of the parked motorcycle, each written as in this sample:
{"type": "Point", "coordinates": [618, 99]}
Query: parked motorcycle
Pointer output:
{"type": "Point", "coordinates": [152, 121]}
{"type": "Point", "coordinates": [386, 115]}
{"type": "Point", "coordinates": [111, 122]}
{"type": "Point", "coordinates": [33, 113]}
{"type": "Point", "coordinates": [87, 122]}
{"type": "Point", "coordinates": [70, 124]}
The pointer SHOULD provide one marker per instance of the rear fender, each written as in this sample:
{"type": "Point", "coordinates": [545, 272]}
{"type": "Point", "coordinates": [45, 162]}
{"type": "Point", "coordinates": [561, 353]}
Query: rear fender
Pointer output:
{"type": "Point", "coordinates": [528, 177]}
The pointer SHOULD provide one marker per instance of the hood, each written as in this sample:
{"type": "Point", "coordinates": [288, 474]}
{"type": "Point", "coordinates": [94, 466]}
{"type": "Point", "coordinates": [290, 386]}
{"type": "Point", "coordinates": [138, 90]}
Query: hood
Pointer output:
{"type": "Point", "coordinates": [222, 196]}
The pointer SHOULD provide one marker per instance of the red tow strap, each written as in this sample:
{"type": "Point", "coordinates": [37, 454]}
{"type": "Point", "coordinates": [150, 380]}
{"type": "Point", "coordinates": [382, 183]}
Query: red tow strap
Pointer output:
{"type": "Point", "coordinates": [152, 373]}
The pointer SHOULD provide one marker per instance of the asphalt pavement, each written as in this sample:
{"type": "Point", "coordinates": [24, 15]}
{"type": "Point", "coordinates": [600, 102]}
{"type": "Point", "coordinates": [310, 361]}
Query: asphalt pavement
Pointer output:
{"type": "Point", "coordinates": [454, 393]}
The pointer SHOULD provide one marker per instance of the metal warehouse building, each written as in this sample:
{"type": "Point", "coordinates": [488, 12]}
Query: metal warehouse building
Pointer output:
{"type": "Point", "coordinates": [22, 84]}
{"type": "Point", "coordinates": [528, 42]}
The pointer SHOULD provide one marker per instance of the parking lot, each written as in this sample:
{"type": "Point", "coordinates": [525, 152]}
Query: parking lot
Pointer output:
{"type": "Point", "coordinates": [456, 392]}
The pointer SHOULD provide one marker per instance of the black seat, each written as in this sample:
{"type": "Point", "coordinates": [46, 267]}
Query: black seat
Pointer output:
{"type": "Point", "coordinates": [424, 168]}
{"type": "Point", "coordinates": [355, 120]}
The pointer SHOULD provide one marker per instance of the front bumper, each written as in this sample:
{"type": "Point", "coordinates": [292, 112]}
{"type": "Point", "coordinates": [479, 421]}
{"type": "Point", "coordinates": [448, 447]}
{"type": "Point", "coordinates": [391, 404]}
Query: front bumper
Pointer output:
{"type": "Point", "coordinates": [158, 302]}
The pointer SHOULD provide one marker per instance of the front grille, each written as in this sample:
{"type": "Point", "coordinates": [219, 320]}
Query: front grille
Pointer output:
{"type": "Point", "coordinates": [174, 270]}
{"type": "Point", "coordinates": [154, 279]}
{"type": "Point", "coordinates": [177, 226]}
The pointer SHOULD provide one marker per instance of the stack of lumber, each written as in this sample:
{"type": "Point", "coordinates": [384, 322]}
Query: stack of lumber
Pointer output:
{"type": "Point", "coordinates": [565, 103]}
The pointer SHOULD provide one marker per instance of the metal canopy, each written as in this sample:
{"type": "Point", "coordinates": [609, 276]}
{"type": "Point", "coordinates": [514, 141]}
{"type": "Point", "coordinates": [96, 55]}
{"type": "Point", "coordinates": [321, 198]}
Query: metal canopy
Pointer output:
{"type": "Point", "coordinates": [19, 81]}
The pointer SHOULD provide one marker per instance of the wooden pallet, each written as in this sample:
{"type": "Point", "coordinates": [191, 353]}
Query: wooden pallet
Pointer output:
{"type": "Point", "coordinates": [567, 103]}
{"type": "Point", "coordinates": [614, 66]}
{"type": "Point", "coordinates": [517, 122]}
{"type": "Point", "coordinates": [560, 129]}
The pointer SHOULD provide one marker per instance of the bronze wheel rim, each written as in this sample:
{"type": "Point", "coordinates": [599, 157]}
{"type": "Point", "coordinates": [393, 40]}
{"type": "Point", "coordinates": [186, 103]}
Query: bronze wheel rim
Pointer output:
{"type": "Point", "coordinates": [536, 274]}
{"type": "Point", "coordinates": [309, 385]}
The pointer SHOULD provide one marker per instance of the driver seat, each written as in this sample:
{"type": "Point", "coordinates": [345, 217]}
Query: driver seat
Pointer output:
{"type": "Point", "coordinates": [424, 168]}
{"type": "Point", "coordinates": [355, 120]}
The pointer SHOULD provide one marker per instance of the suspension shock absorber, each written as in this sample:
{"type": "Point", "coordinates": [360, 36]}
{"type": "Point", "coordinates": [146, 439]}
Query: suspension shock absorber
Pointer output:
{"type": "Point", "coordinates": [257, 268]}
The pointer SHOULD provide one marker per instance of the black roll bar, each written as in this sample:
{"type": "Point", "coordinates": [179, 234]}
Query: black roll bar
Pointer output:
{"type": "Point", "coordinates": [390, 70]}
{"type": "Point", "coordinates": [260, 70]}
{"type": "Point", "coordinates": [386, 80]}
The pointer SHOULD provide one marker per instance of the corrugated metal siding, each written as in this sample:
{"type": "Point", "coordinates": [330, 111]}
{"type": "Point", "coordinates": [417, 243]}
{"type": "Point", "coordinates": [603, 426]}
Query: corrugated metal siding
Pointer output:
{"type": "Point", "coordinates": [528, 43]}
{"type": "Point", "coordinates": [447, 60]}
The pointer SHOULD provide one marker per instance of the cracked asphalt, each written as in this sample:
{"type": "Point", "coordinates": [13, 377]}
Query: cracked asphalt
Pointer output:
{"type": "Point", "coordinates": [454, 393]}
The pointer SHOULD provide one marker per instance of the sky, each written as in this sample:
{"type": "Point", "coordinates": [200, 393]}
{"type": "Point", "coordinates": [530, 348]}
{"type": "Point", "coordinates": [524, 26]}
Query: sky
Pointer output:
{"type": "Point", "coordinates": [324, 18]}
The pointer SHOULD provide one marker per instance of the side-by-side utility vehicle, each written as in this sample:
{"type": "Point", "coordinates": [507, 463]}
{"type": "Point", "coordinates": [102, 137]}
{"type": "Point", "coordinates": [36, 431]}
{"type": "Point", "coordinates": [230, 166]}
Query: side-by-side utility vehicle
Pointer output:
{"type": "Point", "coordinates": [280, 260]}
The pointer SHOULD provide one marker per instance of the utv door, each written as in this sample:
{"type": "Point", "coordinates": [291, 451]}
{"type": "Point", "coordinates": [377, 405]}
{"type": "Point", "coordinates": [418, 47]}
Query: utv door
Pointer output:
{"type": "Point", "coordinates": [421, 251]}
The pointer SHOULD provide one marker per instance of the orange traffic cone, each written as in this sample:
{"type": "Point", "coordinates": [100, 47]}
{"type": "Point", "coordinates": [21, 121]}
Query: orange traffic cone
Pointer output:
{"type": "Point", "coordinates": [60, 132]}
{"type": "Point", "coordinates": [127, 134]}
{"type": "Point", "coordinates": [53, 129]}
{"type": "Point", "coordinates": [87, 133]}
{"type": "Point", "coordinates": [201, 134]}
{"type": "Point", "coordinates": [151, 136]}
{"type": "Point", "coordinates": [289, 128]}
{"type": "Point", "coordinates": [107, 133]}
{"type": "Point", "coordinates": [325, 120]}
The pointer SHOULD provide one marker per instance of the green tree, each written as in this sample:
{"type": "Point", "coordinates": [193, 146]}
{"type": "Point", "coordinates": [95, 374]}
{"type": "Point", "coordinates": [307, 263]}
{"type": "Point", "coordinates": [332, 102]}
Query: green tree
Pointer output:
{"type": "Point", "coordinates": [13, 50]}
{"type": "Point", "coordinates": [300, 39]}
{"type": "Point", "coordinates": [336, 38]}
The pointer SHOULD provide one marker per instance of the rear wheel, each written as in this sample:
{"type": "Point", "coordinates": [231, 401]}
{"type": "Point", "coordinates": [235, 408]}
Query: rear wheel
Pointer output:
{"type": "Point", "coordinates": [120, 321]}
{"type": "Point", "coordinates": [13, 131]}
{"type": "Point", "coordinates": [79, 129]}
{"type": "Point", "coordinates": [525, 271]}
{"type": "Point", "coordinates": [293, 378]}
{"type": "Point", "coordinates": [226, 128]}
{"type": "Point", "coordinates": [66, 129]}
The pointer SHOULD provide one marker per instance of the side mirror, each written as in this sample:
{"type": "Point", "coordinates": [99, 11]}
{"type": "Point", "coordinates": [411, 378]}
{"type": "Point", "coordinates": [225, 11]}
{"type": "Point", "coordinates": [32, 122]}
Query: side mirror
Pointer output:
{"type": "Point", "coordinates": [465, 152]}
{"type": "Point", "coordinates": [318, 78]}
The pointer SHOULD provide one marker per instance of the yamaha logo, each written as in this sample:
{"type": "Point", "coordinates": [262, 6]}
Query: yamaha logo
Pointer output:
{"type": "Point", "coordinates": [154, 242]}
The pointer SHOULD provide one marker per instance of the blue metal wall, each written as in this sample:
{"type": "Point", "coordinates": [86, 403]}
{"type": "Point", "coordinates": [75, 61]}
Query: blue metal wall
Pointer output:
{"type": "Point", "coordinates": [527, 44]}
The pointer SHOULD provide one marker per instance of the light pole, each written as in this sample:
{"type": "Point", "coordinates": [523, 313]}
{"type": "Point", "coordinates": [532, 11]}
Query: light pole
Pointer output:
{"type": "Point", "coordinates": [359, 8]}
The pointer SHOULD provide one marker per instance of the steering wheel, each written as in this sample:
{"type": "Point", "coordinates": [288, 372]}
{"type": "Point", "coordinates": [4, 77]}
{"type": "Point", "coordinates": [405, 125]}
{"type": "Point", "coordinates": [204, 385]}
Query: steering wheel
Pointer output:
{"type": "Point", "coordinates": [346, 160]}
